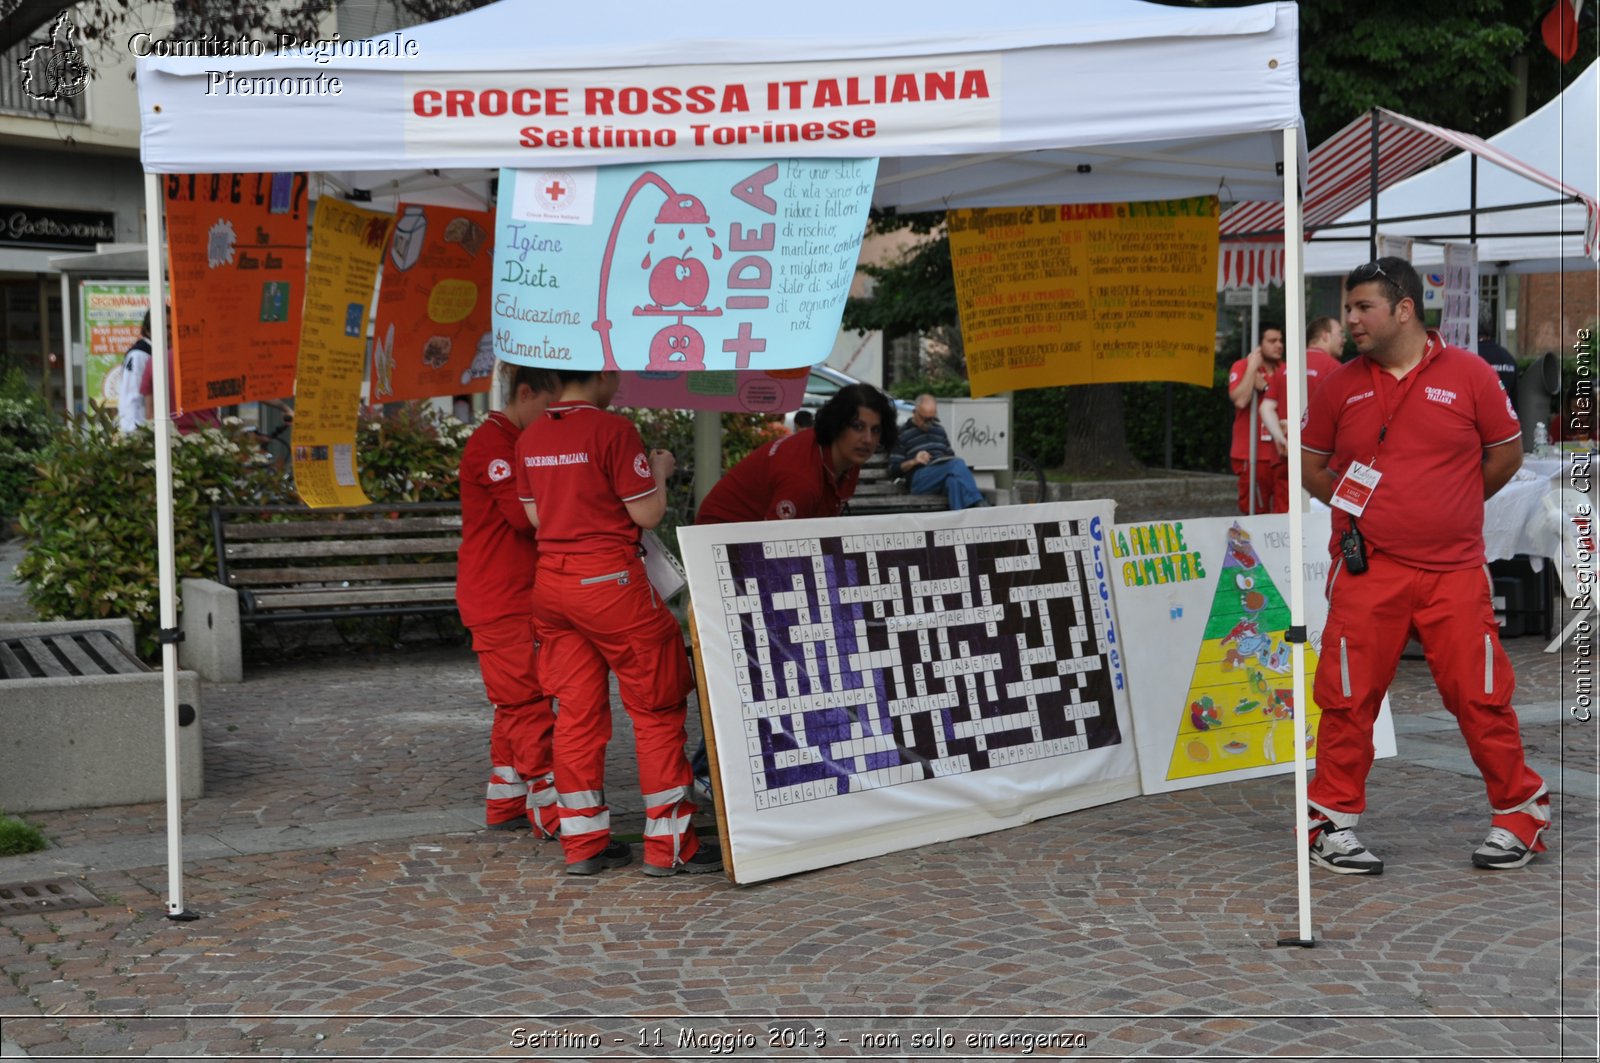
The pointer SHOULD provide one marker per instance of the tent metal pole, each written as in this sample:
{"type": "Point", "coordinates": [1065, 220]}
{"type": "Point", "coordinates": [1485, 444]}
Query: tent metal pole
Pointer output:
{"type": "Point", "coordinates": [1294, 283]}
{"type": "Point", "coordinates": [162, 420]}
{"type": "Point", "coordinates": [66, 338]}
{"type": "Point", "coordinates": [1472, 215]}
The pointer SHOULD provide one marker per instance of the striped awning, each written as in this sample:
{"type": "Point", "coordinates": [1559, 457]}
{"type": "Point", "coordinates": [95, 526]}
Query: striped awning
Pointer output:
{"type": "Point", "coordinates": [1340, 179]}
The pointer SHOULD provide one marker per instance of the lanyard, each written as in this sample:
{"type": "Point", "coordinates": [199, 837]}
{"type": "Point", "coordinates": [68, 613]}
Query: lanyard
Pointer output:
{"type": "Point", "coordinates": [1406, 387]}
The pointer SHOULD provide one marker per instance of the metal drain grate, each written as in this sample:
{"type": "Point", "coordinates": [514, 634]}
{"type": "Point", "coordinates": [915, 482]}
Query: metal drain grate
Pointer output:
{"type": "Point", "coordinates": [50, 895]}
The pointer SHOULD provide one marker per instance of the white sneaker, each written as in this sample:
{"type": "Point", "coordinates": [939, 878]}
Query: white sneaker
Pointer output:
{"type": "Point", "coordinates": [1500, 850]}
{"type": "Point", "coordinates": [1340, 851]}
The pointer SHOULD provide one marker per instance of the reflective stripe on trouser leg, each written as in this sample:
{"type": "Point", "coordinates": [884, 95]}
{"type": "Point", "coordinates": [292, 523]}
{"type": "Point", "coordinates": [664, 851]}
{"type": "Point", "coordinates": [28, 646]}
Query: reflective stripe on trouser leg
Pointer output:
{"type": "Point", "coordinates": [666, 817]}
{"type": "Point", "coordinates": [1528, 821]}
{"type": "Point", "coordinates": [541, 805]}
{"type": "Point", "coordinates": [506, 796]}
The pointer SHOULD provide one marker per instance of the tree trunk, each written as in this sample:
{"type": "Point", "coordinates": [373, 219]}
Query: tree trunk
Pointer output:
{"type": "Point", "coordinates": [1097, 446]}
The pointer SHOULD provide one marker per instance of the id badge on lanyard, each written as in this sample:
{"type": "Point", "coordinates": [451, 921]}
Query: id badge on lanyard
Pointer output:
{"type": "Point", "coordinates": [1355, 488]}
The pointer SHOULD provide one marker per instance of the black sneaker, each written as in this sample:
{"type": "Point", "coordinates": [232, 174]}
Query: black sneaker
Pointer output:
{"type": "Point", "coordinates": [1340, 851]}
{"type": "Point", "coordinates": [706, 859]}
{"type": "Point", "coordinates": [615, 855]}
{"type": "Point", "coordinates": [1501, 850]}
{"type": "Point", "coordinates": [520, 823]}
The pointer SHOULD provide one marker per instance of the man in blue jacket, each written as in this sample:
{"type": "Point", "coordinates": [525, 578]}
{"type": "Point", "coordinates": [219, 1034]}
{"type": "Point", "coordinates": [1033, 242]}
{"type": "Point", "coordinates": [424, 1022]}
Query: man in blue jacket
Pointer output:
{"type": "Point", "coordinates": [923, 453]}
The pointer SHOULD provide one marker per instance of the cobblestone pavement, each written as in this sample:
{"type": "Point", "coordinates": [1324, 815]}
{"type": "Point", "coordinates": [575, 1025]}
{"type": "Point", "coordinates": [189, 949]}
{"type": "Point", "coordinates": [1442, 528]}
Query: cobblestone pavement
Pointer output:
{"type": "Point", "coordinates": [352, 909]}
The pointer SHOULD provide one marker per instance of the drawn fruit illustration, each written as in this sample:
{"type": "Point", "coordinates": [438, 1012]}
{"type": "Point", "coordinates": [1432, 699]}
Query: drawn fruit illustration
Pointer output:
{"type": "Point", "coordinates": [679, 282]}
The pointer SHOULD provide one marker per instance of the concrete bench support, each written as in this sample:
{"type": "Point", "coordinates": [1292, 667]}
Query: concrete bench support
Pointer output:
{"type": "Point", "coordinates": [87, 741]}
{"type": "Point", "coordinates": [210, 623]}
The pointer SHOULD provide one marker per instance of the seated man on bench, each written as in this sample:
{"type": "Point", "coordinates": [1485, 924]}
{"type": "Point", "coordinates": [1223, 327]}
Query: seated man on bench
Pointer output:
{"type": "Point", "coordinates": [924, 454]}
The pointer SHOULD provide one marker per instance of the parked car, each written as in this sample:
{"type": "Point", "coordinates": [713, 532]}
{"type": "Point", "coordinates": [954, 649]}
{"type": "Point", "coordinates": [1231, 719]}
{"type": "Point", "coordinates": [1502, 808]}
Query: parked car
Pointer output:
{"type": "Point", "coordinates": [825, 381]}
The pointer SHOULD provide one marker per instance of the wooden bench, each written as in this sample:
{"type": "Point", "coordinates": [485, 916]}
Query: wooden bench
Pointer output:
{"type": "Point", "coordinates": [278, 563]}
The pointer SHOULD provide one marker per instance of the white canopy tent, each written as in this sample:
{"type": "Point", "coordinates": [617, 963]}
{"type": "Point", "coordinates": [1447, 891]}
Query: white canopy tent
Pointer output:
{"type": "Point", "coordinates": [1558, 140]}
{"type": "Point", "coordinates": [1032, 101]}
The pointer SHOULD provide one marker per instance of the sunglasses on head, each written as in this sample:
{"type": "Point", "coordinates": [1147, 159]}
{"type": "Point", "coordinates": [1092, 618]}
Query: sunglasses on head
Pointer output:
{"type": "Point", "coordinates": [1371, 271]}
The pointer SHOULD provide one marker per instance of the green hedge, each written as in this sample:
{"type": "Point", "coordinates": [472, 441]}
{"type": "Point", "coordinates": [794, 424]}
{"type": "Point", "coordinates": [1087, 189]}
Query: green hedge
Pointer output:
{"type": "Point", "coordinates": [25, 429]}
{"type": "Point", "coordinates": [90, 518]}
{"type": "Point", "coordinates": [1202, 420]}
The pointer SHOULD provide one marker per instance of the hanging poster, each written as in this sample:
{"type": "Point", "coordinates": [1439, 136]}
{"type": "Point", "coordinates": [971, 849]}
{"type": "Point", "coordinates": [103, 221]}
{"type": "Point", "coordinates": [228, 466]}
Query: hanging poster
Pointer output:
{"type": "Point", "coordinates": [111, 312]}
{"type": "Point", "coordinates": [236, 245]}
{"type": "Point", "coordinates": [431, 335]}
{"type": "Point", "coordinates": [1087, 293]}
{"type": "Point", "coordinates": [1458, 319]}
{"type": "Point", "coordinates": [725, 390]}
{"type": "Point", "coordinates": [876, 685]}
{"type": "Point", "coordinates": [347, 243]}
{"type": "Point", "coordinates": [677, 267]}
{"type": "Point", "coordinates": [1204, 608]}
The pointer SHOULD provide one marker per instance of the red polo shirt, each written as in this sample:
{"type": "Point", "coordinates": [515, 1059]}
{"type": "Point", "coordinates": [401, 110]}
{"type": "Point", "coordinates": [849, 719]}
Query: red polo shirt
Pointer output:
{"type": "Point", "coordinates": [1427, 511]}
{"type": "Point", "coordinates": [1240, 450]}
{"type": "Point", "coordinates": [581, 465]}
{"type": "Point", "coordinates": [494, 571]}
{"type": "Point", "coordinates": [783, 480]}
{"type": "Point", "coordinates": [1319, 363]}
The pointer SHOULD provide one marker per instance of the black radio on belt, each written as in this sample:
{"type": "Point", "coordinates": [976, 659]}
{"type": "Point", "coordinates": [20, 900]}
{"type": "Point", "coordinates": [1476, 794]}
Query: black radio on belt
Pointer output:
{"type": "Point", "coordinates": [1353, 548]}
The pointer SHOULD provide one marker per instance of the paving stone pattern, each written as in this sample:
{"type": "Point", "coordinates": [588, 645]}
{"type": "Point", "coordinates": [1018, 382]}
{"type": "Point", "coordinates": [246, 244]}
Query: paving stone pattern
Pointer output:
{"type": "Point", "coordinates": [1148, 927]}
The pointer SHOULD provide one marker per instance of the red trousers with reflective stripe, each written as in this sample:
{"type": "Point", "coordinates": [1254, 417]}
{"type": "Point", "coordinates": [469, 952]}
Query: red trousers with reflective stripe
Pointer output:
{"type": "Point", "coordinates": [520, 755]}
{"type": "Point", "coordinates": [1371, 617]}
{"type": "Point", "coordinates": [599, 614]}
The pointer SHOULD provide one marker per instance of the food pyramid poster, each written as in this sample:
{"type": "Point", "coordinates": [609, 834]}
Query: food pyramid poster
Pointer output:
{"type": "Point", "coordinates": [1240, 705]}
{"type": "Point", "coordinates": [1203, 606]}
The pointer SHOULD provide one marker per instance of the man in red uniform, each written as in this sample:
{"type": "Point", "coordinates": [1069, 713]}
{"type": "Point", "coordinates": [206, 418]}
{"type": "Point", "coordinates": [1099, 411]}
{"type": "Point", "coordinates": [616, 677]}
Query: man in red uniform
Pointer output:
{"type": "Point", "coordinates": [494, 592]}
{"type": "Point", "coordinates": [1405, 442]}
{"type": "Point", "coordinates": [1324, 339]}
{"type": "Point", "coordinates": [810, 473]}
{"type": "Point", "coordinates": [589, 487]}
{"type": "Point", "coordinates": [1246, 378]}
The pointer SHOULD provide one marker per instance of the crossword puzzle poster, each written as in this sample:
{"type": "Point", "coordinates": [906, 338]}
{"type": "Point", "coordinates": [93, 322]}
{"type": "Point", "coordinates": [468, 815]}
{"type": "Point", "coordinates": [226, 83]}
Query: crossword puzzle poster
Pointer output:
{"type": "Point", "coordinates": [875, 684]}
{"type": "Point", "coordinates": [1204, 606]}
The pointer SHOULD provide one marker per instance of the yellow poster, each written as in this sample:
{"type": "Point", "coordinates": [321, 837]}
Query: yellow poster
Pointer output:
{"type": "Point", "coordinates": [1087, 293]}
{"type": "Point", "coordinates": [346, 245]}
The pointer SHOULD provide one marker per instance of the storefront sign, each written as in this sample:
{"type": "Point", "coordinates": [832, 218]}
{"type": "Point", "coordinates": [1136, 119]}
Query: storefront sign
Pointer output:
{"type": "Point", "coordinates": [22, 226]}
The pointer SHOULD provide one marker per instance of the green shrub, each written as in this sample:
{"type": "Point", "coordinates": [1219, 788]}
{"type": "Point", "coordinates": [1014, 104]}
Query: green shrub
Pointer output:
{"type": "Point", "coordinates": [25, 427]}
{"type": "Point", "coordinates": [411, 454]}
{"type": "Point", "coordinates": [90, 519]}
{"type": "Point", "coordinates": [17, 837]}
{"type": "Point", "coordinates": [1202, 424]}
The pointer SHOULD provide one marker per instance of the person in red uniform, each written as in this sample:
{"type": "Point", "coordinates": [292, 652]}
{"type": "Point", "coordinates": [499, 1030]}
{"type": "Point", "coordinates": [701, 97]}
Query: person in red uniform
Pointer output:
{"type": "Point", "coordinates": [494, 593]}
{"type": "Point", "coordinates": [1247, 377]}
{"type": "Point", "coordinates": [1406, 442]}
{"type": "Point", "coordinates": [589, 487]}
{"type": "Point", "coordinates": [810, 473]}
{"type": "Point", "coordinates": [1324, 339]}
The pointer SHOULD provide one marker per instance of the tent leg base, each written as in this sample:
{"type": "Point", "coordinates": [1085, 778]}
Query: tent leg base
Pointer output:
{"type": "Point", "coordinates": [1301, 943]}
{"type": "Point", "coordinates": [183, 915]}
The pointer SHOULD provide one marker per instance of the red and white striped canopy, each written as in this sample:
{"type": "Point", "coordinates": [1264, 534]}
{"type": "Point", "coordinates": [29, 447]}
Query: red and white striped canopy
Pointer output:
{"type": "Point", "coordinates": [1340, 179]}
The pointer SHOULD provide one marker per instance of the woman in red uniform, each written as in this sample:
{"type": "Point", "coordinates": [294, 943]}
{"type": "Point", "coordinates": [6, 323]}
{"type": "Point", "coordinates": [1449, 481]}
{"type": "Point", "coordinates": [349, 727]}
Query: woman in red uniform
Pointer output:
{"type": "Point", "coordinates": [589, 487]}
{"type": "Point", "coordinates": [494, 592]}
{"type": "Point", "coordinates": [810, 473]}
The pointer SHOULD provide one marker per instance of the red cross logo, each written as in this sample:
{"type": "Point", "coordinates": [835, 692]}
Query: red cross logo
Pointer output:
{"type": "Point", "coordinates": [555, 191]}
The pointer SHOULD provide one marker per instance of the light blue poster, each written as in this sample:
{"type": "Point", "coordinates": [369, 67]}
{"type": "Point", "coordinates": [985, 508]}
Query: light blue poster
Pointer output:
{"type": "Point", "coordinates": [681, 266]}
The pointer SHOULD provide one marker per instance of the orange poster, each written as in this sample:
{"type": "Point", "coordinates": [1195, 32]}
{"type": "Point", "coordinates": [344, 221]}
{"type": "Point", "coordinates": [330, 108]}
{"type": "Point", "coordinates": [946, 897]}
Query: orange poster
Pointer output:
{"type": "Point", "coordinates": [236, 246]}
{"type": "Point", "coordinates": [432, 335]}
